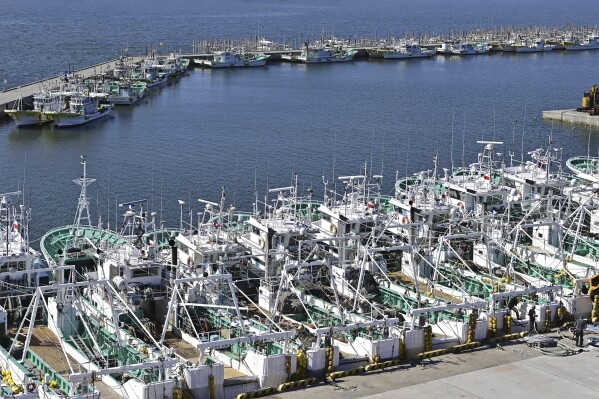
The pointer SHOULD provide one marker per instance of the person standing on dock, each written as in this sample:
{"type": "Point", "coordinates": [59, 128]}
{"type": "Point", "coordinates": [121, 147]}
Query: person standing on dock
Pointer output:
{"type": "Point", "coordinates": [581, 324]}
{"type": "Point", "coordinates": [533, 319]}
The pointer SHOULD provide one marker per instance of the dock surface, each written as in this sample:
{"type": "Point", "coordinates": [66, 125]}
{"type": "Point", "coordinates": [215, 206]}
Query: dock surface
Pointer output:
{"type": "Point", "coordinates": [511, 371]}
{"type": "Point", "coordinates": [572, 116]}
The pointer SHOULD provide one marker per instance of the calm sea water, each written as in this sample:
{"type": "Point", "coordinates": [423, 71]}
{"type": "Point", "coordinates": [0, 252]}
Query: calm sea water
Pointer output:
{"type": "Point", "coordinates": [249, 130]}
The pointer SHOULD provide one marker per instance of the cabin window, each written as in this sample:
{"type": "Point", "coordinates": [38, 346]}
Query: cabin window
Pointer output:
{"type": "Point", "coordinates": [366, 227]}
{"type": "Point", "coordinates": [152, 271]}
{"type": "Point", "coordinates": [295, 240]}
{"type": "Point", "coordinates": [493, 200]}
{"type": "Point", "coordinates": [455, 194]}
{"type": "Point", "coordinates": [438, 219]}
{"type": "Point", "coordinates": [21, 266]}
{"type": "Point", "coordinates": [540, 235]}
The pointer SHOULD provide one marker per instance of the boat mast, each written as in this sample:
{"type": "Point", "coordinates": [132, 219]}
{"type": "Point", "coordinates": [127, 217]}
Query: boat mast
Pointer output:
{"type": "Point", "coordinates": [82, 214]}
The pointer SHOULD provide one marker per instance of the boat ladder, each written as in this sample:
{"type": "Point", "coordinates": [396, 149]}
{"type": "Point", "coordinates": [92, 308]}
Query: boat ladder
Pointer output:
{"type": "Point", "coordinates": [82, 347]}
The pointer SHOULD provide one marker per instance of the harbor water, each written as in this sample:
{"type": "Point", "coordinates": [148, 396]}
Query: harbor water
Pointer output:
{"type": "Point", "coordinates": [250, 130]}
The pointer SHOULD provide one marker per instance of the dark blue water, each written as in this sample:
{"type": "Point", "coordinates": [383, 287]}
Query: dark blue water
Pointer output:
{"type": "Point", "coordinates": [249, 130]}
{"type": "Point", "coordinates": [39, 38]}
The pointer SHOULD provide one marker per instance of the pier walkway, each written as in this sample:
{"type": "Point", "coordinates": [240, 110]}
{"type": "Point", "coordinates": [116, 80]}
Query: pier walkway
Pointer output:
{"type": "Point", "coordinates": [513, 370]}
{"type": "Point", "coordinates": [10, 96]}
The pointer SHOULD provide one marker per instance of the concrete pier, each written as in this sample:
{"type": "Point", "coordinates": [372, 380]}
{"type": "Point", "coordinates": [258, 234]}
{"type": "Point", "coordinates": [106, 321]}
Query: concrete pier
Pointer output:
{"type": "Point", "coordinates": [512, 370]}
{"type": "Point", "coordinates": [572, 116]}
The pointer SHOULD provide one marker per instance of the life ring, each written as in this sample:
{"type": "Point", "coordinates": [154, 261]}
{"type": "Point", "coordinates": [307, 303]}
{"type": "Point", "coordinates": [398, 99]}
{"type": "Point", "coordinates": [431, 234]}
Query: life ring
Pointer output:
{"type": "Point", "coordinates": [333, 229]}
{"type": "Point", "coordinates": [261, 242]}
{"type": "Point", "coordinates": [461, 205]}
{"type": "Point", "coordinates": [31, 387]}
{"type": "Point", "coordinates": [404, 220]}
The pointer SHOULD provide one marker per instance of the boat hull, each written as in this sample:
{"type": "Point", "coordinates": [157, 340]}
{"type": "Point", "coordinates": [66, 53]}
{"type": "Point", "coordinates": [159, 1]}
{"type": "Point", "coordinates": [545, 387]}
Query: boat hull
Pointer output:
{"type": "Point", "coordinates": [532, 49]}
{"type": "Point", "coordinates": [124, 100]}
{"type": "Point", "coordinates": [581, 47]}
{"type": "Point", "coordinates": [236, 64]}
{"type": "Point", "coordinates": [376, 53]}
{"type": "Point", "coordinates": [325, 60]}
{"type": "Point", "coordinates": [404, 56]}
{"type": "Point", "coordinates": [464, 52]}
{"type": "Point", "coordinates": [66, 119]}
{"type": "Point", "coordinates": [156, 82]}
{"type": "Point", "coordinates": [27, 118]}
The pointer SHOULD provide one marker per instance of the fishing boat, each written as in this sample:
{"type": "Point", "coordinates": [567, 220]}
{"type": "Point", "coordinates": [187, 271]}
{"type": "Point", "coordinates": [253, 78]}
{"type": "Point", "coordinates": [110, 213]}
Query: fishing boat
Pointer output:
{"type": "Point", "coordinates": [126, 92]}
{"type": "Point", "coordinates": [463, 49]}
{"type": "Point", "coordinates": [507, 46]}
{"type": "Point", "coordinates": [82, 108]}
{"type": "Point", "coordinates": [151, 75]}
{"type": "Point", "coordinates": [403, 51]}
{"type": "Point", "coordinates": [173, 64]}
{"type": "Point", "coordinates": [538, 46]}
{"type": "Point", "coordinates": [590, 43]}
{"type": "Point", "coordinates": [227, 59]}
{"type": "Point", "coordinates": [22, 269]}
{"type": "Point", "coordinates": [150, 71]}
{"type": "Point", "coordinates": [585, 168]}
{"type": "Point", "coordinates": [321, 55]}
{"type": "Point", "coordinates": [43, 102]}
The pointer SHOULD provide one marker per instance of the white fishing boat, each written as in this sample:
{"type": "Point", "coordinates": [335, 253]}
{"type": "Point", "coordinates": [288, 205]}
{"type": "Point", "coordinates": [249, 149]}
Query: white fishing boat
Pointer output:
{"type": "Point", "coordinates": [585, 168]}
{"type": "Point", "coordinates": [408, 50]}
{"type": "Point", "coordinates": [590, 43]}
{"type": "Point", "coordinates": [22, 269]}
{"type": "Point", "coordinates": [173, 64]}
{"type": "Point", "coordinates": [463, 49]}
{"type": "Point", "coordinates": [43, 102]}
{"type": "Point", "coordinates": [321, 55]}
{"type": "Point", "coordinates": [507, 46]}
{"type": "Point", "coordinates": [151, 75]}
{"type": "Point", "coordinates": [83, 108]}
{"type": "Point", "coordinates": [538, 46]}
{"type": "Point", "coordinates": [150, 71]}
{"type": "Point", "coordinates": [227, 59]}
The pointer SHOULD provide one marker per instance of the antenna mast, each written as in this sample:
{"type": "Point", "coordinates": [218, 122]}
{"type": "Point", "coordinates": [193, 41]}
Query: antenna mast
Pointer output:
{"type": "Point", "coordinates": [83, 206]}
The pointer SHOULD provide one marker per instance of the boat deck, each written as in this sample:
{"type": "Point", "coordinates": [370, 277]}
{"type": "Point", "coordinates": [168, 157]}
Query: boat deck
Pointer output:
{"type": "Point", "coordinates": [46, 345]}
{"type": "Point", "coordinates": [408, 282]}
{"type": "Point", "coordinates": [191, 353]}
{"type": "Point", "coordinates": [182, 347]}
